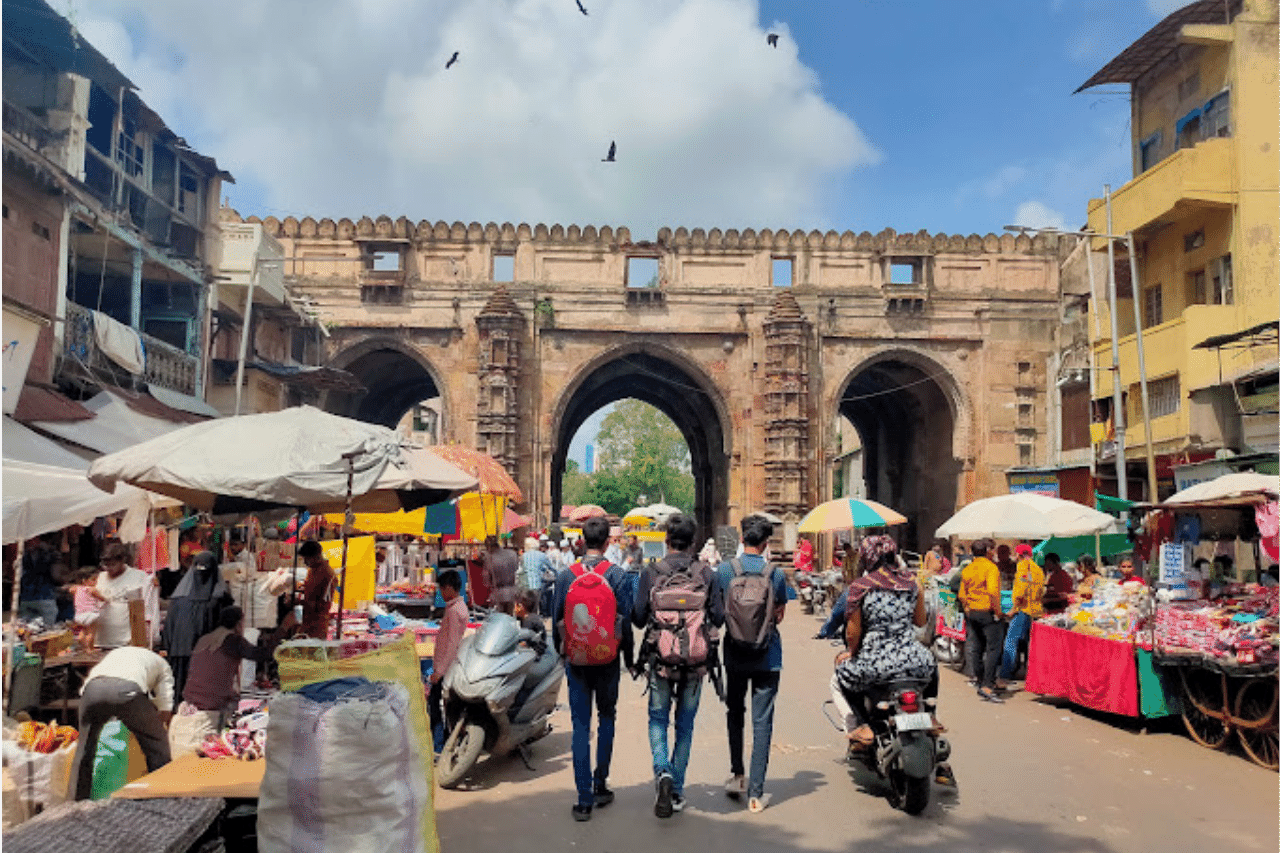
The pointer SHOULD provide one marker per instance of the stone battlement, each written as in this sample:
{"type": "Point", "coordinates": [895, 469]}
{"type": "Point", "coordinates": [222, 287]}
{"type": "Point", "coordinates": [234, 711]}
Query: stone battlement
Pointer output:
{"type": "Point", "coordinates": [886, 241]}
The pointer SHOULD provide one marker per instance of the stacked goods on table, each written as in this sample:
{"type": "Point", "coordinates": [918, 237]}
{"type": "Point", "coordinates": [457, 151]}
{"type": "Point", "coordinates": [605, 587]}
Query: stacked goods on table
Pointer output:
{"type": "Point", "coordinates": [44, 737]}
{"type": "Point", "coordinates": [1117, 611]}
{"type": "Point", "coordinates": [1242, 625]}
{"type": "Point", "coordinates": [408, 589]}
{"type": "Point", "coordinates": [244, 737]}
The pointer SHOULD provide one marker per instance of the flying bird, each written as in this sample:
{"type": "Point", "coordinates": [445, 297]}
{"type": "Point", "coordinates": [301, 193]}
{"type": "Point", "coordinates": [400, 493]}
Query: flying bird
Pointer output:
{"type": "Point", "coordinates": [581, 8]}
{"type": "Point", "coordinates": [772, 38]}
{"type": "Point", "coordinates": [613, 149]}
{"type": "Point", "coordinates": [451, 61]}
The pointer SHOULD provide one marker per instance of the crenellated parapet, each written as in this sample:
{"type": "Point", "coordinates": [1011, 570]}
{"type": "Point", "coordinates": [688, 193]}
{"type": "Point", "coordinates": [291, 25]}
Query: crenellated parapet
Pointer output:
{"type": "Point", "coordinates": [678, 239]}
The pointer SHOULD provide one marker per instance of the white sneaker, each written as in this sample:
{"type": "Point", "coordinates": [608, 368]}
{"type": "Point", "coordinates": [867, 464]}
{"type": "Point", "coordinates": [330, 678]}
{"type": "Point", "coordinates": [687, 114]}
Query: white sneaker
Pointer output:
{"type": "Point", "coordinates": [736, 786]}
{"type": "Point", "coordinates": [759, 804]}
{"type": "Point", "coordinates": [677, 803]}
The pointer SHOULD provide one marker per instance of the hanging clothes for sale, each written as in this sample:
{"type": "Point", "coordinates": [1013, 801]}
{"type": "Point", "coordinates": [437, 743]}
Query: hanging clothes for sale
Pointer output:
{"type": "Point", "coordinates": [1265, 515]}
{"type": "Point", "coordinates": [153, 551]}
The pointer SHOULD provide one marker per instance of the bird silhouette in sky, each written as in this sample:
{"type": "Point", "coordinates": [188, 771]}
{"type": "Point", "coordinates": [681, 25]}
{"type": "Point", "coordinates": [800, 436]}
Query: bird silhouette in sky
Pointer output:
{"type": "Point", "coordinates": [772, 38]}
{"type": "Point", "coordinates": [613, 149]}
{"type": "Point", "coordinates": [581, 8]}
{"type": "Point", "coordinates": [451, 61]}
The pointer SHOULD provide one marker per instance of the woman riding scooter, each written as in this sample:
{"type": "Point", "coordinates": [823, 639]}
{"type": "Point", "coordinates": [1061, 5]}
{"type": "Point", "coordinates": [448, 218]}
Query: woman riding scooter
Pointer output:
{"type": "Point", "coordinates": [884, 608]}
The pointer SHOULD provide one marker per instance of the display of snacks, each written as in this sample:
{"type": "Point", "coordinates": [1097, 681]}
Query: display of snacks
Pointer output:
{"type": "Point", "coordinates": [1242, 626]}
{"type": "Point", "coordinates": [1116, 611]}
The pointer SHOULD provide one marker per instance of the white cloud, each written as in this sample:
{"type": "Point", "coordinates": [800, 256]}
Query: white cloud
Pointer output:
{"type": "Point", "coordinates": [341, 109]}
{"type": "Point", "coordinates": [1035, 214]}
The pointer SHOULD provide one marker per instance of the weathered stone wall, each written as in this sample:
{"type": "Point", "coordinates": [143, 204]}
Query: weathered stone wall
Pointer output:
{"type": "Point", "coordinates": [975, 309]}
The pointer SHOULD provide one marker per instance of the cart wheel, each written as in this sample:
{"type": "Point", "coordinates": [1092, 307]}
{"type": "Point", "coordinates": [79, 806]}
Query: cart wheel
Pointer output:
{"type": "Point", "coordinates": [1205, 730]}
{"type": "Point", "coordinates": [1256, 703]}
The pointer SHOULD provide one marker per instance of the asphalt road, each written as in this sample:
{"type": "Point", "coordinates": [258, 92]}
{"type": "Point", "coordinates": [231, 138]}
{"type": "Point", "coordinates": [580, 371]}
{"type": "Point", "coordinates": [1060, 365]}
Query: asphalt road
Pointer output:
{"type": "Point", "coordinates": [1034, 775]}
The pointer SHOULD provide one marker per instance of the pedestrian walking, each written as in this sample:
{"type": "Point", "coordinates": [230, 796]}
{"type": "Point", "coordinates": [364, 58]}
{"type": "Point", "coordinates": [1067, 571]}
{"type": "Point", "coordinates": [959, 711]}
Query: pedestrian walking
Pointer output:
{"type": "Point", "coordinates": [589, 631]}
{"type": "Point", "coordinates": [678, 603]}
{"type": "Point", "coordinates": [1028, 597]}
{"type": "Point", "coordinates": [980, 596]}
{"type": "Point", "coordinates": [755, 598]}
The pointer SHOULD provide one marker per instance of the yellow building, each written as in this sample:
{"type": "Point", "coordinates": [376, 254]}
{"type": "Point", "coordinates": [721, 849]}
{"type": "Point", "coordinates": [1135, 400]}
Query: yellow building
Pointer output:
{"type": "Point", "coordinates": [1202, 208]}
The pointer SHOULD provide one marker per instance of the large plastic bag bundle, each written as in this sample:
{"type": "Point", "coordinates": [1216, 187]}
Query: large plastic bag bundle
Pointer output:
{"type": "Point", "coordinates": [350, 772]}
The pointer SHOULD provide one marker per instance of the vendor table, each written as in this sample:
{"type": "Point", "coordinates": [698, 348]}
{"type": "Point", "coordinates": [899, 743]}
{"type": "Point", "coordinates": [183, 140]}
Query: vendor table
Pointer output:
{"type": "Point", "coordinates": [1090, 671]}
{"type": "Point", "coordinates": [116, 826]}
{"type": "Point", "coordinates": [58, 672]}
{"type": "Point", "coordinates": [413, 608]}
{"type": "Point", "coordinates": [193, 776]}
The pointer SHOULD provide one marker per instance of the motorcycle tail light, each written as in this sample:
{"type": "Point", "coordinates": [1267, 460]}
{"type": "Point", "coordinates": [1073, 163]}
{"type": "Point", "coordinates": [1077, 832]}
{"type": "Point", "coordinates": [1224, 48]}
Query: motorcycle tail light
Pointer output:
{"type": "Point", "coordinates": [908, 701]}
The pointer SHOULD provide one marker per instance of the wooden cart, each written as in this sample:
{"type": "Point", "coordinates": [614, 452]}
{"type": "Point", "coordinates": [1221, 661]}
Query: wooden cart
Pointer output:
{"type": "Point", "coordinates": [1222, 697]}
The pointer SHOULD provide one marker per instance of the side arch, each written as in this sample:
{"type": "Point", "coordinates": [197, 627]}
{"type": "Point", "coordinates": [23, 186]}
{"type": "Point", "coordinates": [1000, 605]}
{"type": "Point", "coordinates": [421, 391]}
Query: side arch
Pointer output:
{"type": "Point", "coordinates": [396, 376]}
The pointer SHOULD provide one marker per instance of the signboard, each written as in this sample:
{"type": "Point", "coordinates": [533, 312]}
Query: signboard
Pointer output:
{"type": "Point", "coordinates": [1175, 559]}
{"type": "Point", "coordinates": [1186, 476]}
{"type": "Point", "coordinates": [20, 334]}
{"type": "Point", "coordinates": [1040, 484]}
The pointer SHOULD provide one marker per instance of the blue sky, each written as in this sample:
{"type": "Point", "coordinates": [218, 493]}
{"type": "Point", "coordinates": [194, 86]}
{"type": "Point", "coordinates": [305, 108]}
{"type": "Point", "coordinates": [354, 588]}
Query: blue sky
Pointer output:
{"type": "Point", "coordinates": [870, 114]}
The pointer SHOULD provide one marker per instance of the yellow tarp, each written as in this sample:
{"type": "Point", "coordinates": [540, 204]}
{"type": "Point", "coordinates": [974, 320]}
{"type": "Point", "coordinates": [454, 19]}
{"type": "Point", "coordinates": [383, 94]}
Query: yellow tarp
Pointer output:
{"type": "Point", "coordinates": [361, 566]}
{"type": "Point", "coordinates": [480, 515]}
{"type": "Point", "coordinates": [410, 523]}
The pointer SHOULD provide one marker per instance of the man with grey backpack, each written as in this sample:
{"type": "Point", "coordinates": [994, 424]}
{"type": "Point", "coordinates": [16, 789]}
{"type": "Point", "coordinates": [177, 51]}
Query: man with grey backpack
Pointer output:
{"type": "Point", "coordinates": [755, 597]}
{"type": "Point", "coordinates": [678, 603]}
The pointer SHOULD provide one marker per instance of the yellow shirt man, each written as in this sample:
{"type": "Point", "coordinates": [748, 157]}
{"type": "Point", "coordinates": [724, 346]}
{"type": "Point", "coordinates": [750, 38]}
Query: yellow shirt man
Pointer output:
{"type": "Point", "coordinates": [980, 586]}
{"type": "Point", "coordinates": [1028, 589]}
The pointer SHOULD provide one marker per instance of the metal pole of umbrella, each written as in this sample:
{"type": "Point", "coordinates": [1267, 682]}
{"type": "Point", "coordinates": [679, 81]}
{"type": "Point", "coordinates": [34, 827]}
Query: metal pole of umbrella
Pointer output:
{"type": "Point", "coordinates": [297, 537]}
{"type": "Point", "coordinates": [13, 617]}
{"type": "Point", "coordinates": [346, 527]}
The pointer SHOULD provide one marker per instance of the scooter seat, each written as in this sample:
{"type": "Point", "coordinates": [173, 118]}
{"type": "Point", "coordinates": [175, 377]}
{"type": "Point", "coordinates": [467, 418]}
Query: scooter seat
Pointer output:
{"type": "Point", "coordinates": [544, 664]}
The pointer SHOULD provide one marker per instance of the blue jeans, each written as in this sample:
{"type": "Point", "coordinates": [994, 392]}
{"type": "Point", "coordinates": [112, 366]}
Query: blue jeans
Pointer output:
{"type": "Point", "coordinates": [662, 691]}
{"type": "Point", "coordinates": [833, 628]}
{"type": "Point", "coordinates": [764, 690]}
{"type": "Point", "coordinates": [1019, 630]}
{"type": "Point", "coordinates": [584, 681]}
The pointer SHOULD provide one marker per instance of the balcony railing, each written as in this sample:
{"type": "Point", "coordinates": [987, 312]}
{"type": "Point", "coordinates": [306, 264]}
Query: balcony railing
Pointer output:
{"type": "Point", "coordinates": [27, 127]}
{"type": "Point", "coordinates": [166, 365]}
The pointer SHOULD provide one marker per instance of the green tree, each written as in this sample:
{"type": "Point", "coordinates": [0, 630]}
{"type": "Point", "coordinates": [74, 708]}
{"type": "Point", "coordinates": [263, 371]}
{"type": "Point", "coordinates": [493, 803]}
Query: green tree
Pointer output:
{"type": "Point", "coordinates": [649, 455]}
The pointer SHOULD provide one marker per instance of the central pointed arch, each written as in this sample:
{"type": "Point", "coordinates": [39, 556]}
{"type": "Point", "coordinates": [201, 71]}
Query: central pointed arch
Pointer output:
{"type": "Point", "coordinates": [675, 385]}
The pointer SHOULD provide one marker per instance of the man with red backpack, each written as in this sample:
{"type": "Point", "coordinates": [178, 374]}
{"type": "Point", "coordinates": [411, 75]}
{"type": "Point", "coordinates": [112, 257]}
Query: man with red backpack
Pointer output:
{"type": "Point", "coordinates": [679, 604]}
{"type": "Point", "coordinates": [755, 596]}
{"type": "Point", "coordinates": [590, 629]}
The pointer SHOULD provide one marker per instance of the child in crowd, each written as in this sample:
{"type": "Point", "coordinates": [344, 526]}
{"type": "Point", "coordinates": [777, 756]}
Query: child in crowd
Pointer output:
{"type": "Point", "coordinates": [527, 612]}
{"type": "Point", "coordinates": [88, 603]}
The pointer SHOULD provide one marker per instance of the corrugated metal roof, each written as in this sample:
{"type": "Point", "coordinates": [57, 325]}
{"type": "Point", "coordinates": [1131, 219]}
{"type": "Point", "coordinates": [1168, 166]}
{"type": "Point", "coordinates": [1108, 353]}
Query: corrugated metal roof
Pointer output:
{"type": "Point", "coordinates": [1161, 40]}
{"type": "Point", "coordinates": [36, 403]}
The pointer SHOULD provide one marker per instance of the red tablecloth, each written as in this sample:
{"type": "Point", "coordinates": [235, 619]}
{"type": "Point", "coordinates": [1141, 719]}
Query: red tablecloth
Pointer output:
{"type": "Point", "coordinates": [1090, 671]}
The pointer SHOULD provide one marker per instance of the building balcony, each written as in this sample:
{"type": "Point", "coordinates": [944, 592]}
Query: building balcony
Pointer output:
{"type": "Point", "coordinates": [28, 128]}
{"type": "Point", "coordinates": [166, 365]}
{"type": "Point", "coordinates": [1201, 176]}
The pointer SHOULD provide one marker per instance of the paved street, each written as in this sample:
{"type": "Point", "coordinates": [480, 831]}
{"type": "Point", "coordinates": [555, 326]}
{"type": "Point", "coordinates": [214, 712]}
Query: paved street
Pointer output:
{"type": "Point", "coordinates": [1034, 775]}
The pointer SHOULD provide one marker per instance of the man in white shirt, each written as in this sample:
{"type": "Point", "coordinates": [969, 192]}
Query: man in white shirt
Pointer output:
{"type": "Point", "coordinates": [135, 686]}
{"type": "Point", "coordinates": [118, 582]}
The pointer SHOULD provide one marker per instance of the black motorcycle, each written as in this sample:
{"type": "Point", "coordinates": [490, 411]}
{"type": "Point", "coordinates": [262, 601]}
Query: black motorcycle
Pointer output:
{"type": "Point", "coordinates": [907, 748]}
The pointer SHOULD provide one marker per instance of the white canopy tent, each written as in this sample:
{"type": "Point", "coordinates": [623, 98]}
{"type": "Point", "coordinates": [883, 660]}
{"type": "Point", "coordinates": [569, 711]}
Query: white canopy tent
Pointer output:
{"type": "Point", "coordinates": [1025, 515]}
{"type": "Point", "coordinates": [43, 498]}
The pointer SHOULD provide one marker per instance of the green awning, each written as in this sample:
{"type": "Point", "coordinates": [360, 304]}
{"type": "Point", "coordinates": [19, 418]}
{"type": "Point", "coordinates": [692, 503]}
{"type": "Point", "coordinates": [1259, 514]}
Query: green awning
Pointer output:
{"type": "Point", "coordinates": [1113, 505]}
{"type": "Point", "coordinates": [1071, 547]}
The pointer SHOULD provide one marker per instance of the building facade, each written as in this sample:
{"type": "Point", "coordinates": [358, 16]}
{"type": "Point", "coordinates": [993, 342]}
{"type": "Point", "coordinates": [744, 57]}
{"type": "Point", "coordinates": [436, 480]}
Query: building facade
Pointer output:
{"type": "Point", "coordinates": [1202, 210]}
{"type": "Point", "coordinates": [110, 223]}
{"type": "Point", "coordinates": [932, 347]}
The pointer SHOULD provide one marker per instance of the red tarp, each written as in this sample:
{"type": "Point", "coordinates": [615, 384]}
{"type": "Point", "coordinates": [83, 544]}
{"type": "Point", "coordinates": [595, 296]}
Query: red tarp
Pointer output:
{"type": "Point", "coordinates": [1090, 671]}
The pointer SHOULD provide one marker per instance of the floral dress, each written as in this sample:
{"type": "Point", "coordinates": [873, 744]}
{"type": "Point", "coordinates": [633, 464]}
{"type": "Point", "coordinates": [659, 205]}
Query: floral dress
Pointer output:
{"type": "Point", "coordinates": [889, 647]}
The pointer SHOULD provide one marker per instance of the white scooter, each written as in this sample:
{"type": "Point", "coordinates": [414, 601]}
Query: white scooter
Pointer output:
{"type": "Point", "coordinates": [498, 696]}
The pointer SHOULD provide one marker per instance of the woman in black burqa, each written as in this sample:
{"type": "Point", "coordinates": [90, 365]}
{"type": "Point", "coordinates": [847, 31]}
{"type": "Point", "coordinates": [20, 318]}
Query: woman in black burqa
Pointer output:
{"type": "Point", "coordinates": [194, 609]}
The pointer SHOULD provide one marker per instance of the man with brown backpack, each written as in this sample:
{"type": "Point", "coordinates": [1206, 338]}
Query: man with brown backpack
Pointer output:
{"type": "Point", "coordinates": [680, 605]}
{"type": "Point", "coordinates": [755, 597]}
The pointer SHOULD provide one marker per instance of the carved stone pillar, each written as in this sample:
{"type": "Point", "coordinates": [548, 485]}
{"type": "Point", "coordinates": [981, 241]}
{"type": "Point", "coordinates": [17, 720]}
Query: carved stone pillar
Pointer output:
{"type": "Point", "coordinates": [501, 330]}
{"type": "Point", "coordinates": [786, 391]}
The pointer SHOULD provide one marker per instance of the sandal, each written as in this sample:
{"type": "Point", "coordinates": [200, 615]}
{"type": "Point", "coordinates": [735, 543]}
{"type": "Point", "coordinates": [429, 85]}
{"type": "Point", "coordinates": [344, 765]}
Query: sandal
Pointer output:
{"type": "Point", "coordinates": [942, 775]}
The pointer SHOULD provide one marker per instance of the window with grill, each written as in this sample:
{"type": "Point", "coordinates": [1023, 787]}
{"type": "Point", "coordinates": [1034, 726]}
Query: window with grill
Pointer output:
{"type": "Point", "coordinates": [1196, 291]}
{"type": "Point", "coordinates": [1216, 117]}
{"type": "Point", "coordinates": [1152, 306]}
{"type": "Point", "coordinates": [1149, 151]}
{"type": "Point", "coordinates": [1165, 395]}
